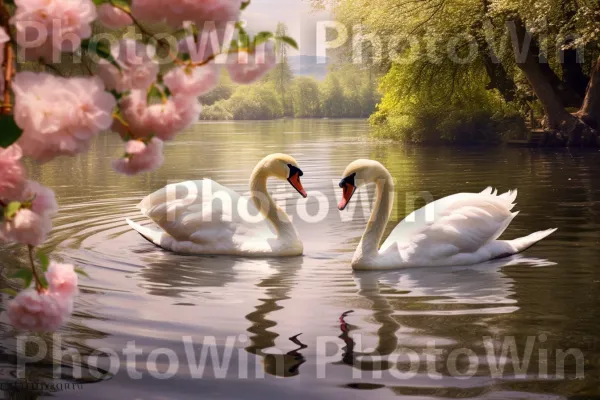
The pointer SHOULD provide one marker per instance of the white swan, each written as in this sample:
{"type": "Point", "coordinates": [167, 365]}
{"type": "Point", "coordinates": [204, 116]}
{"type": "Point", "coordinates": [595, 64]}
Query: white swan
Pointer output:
{"type": "Point", "coordinates": [461, 230]}
{"type": "Point", "coordinates": [204, 217]}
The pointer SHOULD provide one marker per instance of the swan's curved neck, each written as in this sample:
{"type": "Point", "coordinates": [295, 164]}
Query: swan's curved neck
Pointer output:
{"type": "Point", "coordinates": [369, 244]}
{"type": "Point", "coordinates": [265, 204]}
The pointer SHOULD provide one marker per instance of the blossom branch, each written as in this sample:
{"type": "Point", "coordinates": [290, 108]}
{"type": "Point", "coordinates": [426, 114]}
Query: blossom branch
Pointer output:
{"type": "Point", "coordinates": [162, 42]}
{"type": "Point", "coordinates": [8, 60]}
{"type": "Point", "coordinates": [36, 277]}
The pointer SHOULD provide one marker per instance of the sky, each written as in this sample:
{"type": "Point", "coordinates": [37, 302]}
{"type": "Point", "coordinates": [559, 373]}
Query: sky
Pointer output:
{"type": "Point", "coordinates": [300, 18]}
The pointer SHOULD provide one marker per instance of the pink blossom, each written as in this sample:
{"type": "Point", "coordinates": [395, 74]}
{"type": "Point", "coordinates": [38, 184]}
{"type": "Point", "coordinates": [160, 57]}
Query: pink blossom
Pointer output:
{"type": "Point", "coordinates": [138, 70]}
{"type": "Point", "coordinates": [190, 81]}
{"type": "Point", "coordinates": [177, 12]}
{"type": "Point", "coordinates": [167, 119]}
{"type": "Point", "coordinates": [31, 225]}
{"type": "Point", "coordinates": [120, 128]}
{"type": "Point", "coordinates": [59, 116]}
{"type": "Point", "coordinates": [62, 280]}
{"type": "Point", "coordinates": [142, 160]}
{"type": "Point", "coordinates": [27, 227]}
{"type": "Point", "coordinates": [12, 180]}
{"type": "Point", "coordinates": [188, 109]}
{"type": "Point", "coordinates": [37, 312]}
{"type": "Point", "coordinates": [113, 17]}
{"type": "Point", "coordinates": [148, 10]}
{"type": "Point", "coordinates": [44, 201]}
{"type": "Point", "coordinates": [164, 119]}
{"type": "Point", "coordinates": [134, 109]}
{"type": "Point", "coordinates": [134, 147]}
{"type": "Point", "coordinates": [217, 11]}
{"type": "Point", "coordinates": [47, 27]}
{"type": "Point", "coordinates": [248, 67]}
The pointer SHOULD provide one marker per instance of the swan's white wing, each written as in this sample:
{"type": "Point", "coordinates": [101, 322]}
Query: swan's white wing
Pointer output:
{"type": "Point", "coordinates": [204, 212]}
{"type": "Point", "coordinates": [461, 223]}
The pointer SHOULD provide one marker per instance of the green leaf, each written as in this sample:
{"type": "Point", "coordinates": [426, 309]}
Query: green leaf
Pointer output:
{"type": "Point", "coordinates": [245, 5]}
{"type": "Point", "coordinates": [101, 49]}
{"type": "Point", "coordinates": [153, 93]}
{"type": "Point", "coordinates": [243, 36]}
{"type": "Point", "coordinates": [44, 261]}
{"type": "Point", "coordinates": [81, 272]}
{"type": "Point", "coordinates": [243, 40]}
{"type": "Point", "coordinates": [288, 40]}
{"type": "Point", "coordinates": [43, 281]}
{"type": "Point", "coordinates": [9, 131]}
{"type": "Point", "coordinates": [26, 275]}
{"type": "Point", "coordinates": [121, 3]}
{"type": "Point", "coordinates": [11, 209]}
{"type": "Point", "coordinates": [262, 37]}
{"type": "Point", "coordinates": [126, 4]}
{"type": "Point", "coordinates": [9, 291]}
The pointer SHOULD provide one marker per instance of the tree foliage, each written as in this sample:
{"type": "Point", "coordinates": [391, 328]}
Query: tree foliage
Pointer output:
{"type": "Point", "coordinates": [464, 58]}
{"type": "Point", "coordinates": [347, 92]}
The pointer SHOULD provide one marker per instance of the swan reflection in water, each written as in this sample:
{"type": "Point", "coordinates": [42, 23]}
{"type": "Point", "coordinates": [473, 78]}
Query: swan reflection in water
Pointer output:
{"type": "Point", "coordinates": [277, 288]}
{"type": "Point", "coordinates": [476, 289]}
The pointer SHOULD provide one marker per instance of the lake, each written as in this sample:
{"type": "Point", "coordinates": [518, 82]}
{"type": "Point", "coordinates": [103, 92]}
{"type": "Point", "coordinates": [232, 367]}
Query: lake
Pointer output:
{"type": "Point", "coordinates": [308, 327]}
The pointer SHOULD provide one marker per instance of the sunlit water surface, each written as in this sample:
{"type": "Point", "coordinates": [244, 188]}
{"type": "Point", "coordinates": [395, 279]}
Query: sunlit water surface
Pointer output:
{"type": "Point", "coordinates": [158, 300]}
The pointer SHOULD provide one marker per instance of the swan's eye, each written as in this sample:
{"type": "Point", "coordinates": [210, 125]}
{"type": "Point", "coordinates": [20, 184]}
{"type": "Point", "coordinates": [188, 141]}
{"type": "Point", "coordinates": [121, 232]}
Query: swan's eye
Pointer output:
{"type": "Point", "coordinates": [350, 180]}
{"type": "Point", "coordinates": [295, 170]}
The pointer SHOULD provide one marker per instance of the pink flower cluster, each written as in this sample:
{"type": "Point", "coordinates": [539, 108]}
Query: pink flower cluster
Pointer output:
{"type": "Point", "coordinates": [47, 27]}
{"type": "Point", "coordinates": [137, 69]}
{"type": "Point", "coordinates": [13, 174]}
{"type": "Point", "coordinates": [32, 223]}
{"type": "Point", "coordinates": [140, 157]}
{"type": "Point", "coordinates": [177, 12]}
{"type": "Point", "coordinates": [164, 118]}
{"type": "Point", "coordinates": [113, 17]}
{"type": "Point", "coordinates": [46, 310]}
{"type": "Point", "coordinates": [192, 81]}
{"type": "Point", "coordinates": [59, 116]}
{"type": "Point", "coordinates": [150, 120]}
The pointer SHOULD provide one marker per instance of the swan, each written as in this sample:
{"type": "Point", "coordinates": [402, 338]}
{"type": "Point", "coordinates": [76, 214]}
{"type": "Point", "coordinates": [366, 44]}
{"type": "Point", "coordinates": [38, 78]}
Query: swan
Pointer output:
{"type": "Point", "coordinates": [462, 230]}
{"type": "Point", "coordinates": [204, 217]}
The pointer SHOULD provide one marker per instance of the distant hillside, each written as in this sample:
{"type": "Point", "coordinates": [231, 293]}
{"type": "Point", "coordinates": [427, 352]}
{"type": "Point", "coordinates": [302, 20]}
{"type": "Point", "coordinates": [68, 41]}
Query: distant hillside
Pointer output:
{"type": "Point", "coordinates": [313, 66]}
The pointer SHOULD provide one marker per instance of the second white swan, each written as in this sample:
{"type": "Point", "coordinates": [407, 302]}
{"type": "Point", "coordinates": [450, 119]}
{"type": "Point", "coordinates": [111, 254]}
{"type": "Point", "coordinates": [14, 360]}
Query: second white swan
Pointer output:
{"type": "Point", "coordinates": [204, 217]}
{"type": "Point", "coordinates": [461, 229]}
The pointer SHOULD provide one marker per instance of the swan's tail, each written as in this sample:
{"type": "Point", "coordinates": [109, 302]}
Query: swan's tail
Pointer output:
{"type": "Point", "coordinates": [153, 235]}
{"type": "Point", "coordinates": [506, 248]}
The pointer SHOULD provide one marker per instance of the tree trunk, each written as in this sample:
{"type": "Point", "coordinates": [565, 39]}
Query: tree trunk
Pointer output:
{"type": "Point", "coordinates": [569, 129]}
{"type": "Point", "coordinates": [499, 79]}
{"type": "Point", "coordinates": [590, 111]}
{"type": "Point", "coordinates": [536, 74]}
{"type": "Point", "coordinates": [572, 73]}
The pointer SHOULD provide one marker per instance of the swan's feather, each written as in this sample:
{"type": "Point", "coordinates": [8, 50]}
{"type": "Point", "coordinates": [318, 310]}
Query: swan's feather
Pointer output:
{"type": "Point", "coordinates": [204, 217]}
{"type": "Point", "coordinates": [459, 229]}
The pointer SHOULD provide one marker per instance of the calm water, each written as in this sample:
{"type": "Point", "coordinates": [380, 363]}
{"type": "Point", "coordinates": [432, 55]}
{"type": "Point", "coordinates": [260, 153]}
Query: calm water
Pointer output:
{"type": "Point", "coordinates": [250, 308]}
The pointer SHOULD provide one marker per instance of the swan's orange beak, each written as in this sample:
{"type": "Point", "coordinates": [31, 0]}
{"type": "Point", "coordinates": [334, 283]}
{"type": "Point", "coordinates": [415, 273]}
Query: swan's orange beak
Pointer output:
{"type": "Point", "coordinates": [294, 180]}
{"type": "Point", "coordinates": [347, 192]}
